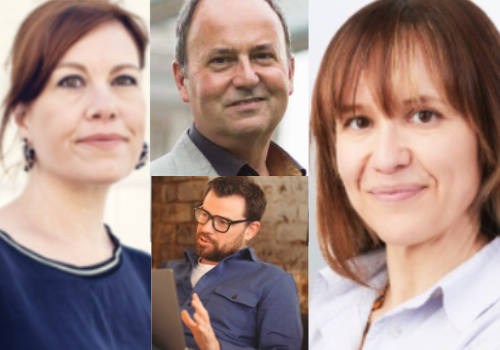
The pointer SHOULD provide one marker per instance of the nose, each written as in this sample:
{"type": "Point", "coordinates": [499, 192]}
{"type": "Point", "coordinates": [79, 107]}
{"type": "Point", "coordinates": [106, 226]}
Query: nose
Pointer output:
{"type": "Point", "coordinates": [101, 105]}
{"type": "Point", "coordinates": [391, 151]}
{"type": "Point", "coordinates": [245, 77]}
{"type": "Point", "coordinates": [208, 227]}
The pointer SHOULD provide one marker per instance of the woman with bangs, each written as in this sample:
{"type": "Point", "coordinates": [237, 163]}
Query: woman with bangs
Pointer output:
{"type": "Point", "coordinates": [406, 120]}
{"type": "Point", "coordinates": [66, 282]}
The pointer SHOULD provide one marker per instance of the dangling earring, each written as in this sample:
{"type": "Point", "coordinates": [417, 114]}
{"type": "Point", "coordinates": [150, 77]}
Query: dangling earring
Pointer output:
{"type": "Point", "coordinates": [144, 156]}
{"type": "Point", "coordinates": [29, 155]}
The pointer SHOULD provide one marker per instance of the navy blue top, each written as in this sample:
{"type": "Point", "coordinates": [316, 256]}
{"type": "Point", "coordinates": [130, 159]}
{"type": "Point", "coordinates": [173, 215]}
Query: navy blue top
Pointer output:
{"type": "Point", "coordinates": [47, 305]}
{"type": "Point", "coordinates": [251, 304]}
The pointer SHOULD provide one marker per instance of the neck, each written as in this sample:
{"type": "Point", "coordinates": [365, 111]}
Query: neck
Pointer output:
{"type": "Point", "coordinates": [414, 269]}
{"type": "Point", "coordinates": [252, 148]}
{"type": "Point", "coordinates": [63, 209]}
{"type": "Point", "coordinates": [208, 262]}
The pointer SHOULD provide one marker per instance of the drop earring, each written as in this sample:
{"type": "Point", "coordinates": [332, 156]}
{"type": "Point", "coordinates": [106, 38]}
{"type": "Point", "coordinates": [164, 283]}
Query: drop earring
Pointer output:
{"type": "Point", "coordinates": [29, 155]}
{"type": "Point", "coordinates": [144, 156]}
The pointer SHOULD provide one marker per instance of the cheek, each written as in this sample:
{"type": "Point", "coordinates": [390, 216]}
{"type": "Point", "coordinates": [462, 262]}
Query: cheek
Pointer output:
{"type": "Point", "coordinates": [207, 86]}
{"type": "Point", "coordinates": [349, 162]}
{"type": "Point", "coordinates": [456, 164]}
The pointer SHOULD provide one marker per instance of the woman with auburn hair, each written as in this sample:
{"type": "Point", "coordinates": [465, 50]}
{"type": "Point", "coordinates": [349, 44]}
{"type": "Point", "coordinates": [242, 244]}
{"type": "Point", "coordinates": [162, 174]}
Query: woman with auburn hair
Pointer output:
{"type": "Point", "coordinates": [76, 96]}
{"type": "Point", "coordinates": [406, 120]}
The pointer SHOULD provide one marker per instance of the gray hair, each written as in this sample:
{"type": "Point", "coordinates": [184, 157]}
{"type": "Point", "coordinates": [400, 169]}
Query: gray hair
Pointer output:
{"type": "Point", "coordinates": [184, 23]}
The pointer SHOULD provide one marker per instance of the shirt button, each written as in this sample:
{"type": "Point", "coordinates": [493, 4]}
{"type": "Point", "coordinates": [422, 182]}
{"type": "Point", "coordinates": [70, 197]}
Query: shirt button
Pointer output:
{"type": "Point", "coordinates": [395, 333]}
{"type": "Point", "coordinates": [189, 304]}
{"type": "Point", "coordinates": [234, 296]}
{"type": "Point", "coordinates": [186, 278]}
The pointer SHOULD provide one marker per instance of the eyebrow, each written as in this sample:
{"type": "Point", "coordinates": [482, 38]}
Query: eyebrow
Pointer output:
{"type": "Point", "coordinates": [232, 51]}
{"type": "Point", "coordinates": [82, 68]}
{"type": "Point", "coordinates": [350, 108]}
{"type": "Point", "coordinates": [264, 47]}
{"type": "Point", "coordinates": [221, 51]}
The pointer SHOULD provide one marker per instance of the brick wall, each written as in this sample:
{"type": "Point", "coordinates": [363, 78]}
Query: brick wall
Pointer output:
{"type": "Point", "coordinates": [282, 239]}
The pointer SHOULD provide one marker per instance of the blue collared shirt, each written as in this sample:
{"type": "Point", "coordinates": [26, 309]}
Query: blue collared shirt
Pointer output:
{"type": "Point", "coordinates": [251, 304]}
{"type": "Point", "coordinates": [460, 312]}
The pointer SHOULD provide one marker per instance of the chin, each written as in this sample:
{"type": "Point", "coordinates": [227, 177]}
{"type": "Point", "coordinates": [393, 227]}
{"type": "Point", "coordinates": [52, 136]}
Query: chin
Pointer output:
{"type": "Point", "coordinates": [101, 176]}
{"type": "Point", "coordinates": [403, 234]}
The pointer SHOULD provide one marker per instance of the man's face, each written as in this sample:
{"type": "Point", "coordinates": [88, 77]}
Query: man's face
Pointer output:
{"type": "Point", "coordinates": [238, 77]}
{"type": "Point", "coordinates": [213, 246]}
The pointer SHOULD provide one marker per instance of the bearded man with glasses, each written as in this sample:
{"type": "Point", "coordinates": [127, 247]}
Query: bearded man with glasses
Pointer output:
{"type": "Point", "coordinates": [229, 298]}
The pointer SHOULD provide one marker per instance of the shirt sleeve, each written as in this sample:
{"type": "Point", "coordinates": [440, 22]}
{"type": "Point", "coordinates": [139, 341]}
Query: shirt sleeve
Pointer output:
{"type": "Point", "coordinates": [278, 319]}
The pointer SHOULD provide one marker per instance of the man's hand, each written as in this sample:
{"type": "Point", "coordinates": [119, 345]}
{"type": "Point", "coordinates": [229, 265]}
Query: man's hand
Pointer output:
{"type": "Point", "coordinates": [200, 326]}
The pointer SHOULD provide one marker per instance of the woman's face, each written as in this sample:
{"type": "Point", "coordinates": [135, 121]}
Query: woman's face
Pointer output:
{"type": "Point", "coordinates": [413, 175]}
{"type": "Point", "coordinates": [87, 125]}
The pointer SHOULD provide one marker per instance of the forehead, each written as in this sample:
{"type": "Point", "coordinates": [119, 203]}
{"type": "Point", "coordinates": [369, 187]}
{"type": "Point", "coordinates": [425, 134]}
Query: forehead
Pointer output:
{"type": "Point", "coordinates": [108, 43]}
{"type": "Point", "coordinates": [409, 78]}
{"type": "Point", "coordinates": [230, 207]}
{"type": "Point", "coordinates": [234, 23]}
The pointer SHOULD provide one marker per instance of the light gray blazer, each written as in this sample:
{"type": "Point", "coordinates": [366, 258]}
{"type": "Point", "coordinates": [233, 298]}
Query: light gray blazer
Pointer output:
{"type": "Point", "coordinates": [185, 159]}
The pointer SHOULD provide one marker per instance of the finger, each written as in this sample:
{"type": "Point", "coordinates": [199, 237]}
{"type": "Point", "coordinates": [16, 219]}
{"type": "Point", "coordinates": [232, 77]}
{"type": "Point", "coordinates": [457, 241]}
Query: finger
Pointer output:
{"type": "Point", "coordinates": [199, 308]}
{"type": "Point", "coordinates": [203, 327]}
{"type": "Point", "coordinates": [188, 321]}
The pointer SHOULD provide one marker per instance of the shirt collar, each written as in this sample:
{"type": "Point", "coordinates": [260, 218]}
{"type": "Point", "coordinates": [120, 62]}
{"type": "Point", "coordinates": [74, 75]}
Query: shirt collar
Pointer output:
{"type": "Point", "coordinates": [472, 287]}
{"type": "Point", "coordinates": [243, 254]}
{"type": "Point", "coordinates": [279, 162]}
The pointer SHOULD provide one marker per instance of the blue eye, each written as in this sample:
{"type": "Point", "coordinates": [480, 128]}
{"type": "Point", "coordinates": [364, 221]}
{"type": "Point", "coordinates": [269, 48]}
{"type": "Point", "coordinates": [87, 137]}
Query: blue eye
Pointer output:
{"type": "Point", "coordinates": [124, 80]}
{"type": "Point", "coordinates": [424, 117]}
{"type": "Point", "coordinates": [72, 82]}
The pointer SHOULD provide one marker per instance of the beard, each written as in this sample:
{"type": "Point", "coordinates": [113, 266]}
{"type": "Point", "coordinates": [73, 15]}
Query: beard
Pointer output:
{"type": "Point", "coordinates": [214, 252]}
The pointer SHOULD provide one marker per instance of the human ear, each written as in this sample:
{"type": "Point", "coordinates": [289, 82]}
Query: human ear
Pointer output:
{"type": "Point", "coordinates": [20, 112]}
{"type": "Point", "coordinates": [291, 72]}
{"type": "Point", "coordinates": [252, 230]}
{"type": "Point", "coordinates": [180, 80]}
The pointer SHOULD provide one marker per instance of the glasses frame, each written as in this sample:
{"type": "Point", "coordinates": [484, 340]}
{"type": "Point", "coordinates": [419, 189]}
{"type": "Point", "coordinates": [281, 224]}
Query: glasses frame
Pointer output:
{"type": "Point", "coordinates": [211, 217]}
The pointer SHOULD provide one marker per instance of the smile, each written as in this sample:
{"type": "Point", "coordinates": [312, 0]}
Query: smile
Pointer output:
{"type": "Point", "coordinates": [103, 140]}
{"type": "Point", "coordinates": [249, 103]}
{"type": "Point", "coordinates": [396, 194]}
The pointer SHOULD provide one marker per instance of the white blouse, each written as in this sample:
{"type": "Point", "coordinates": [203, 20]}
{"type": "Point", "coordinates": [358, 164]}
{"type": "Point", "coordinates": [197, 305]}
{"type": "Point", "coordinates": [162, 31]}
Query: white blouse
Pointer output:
{"type": "Point", "coordinates": [460, 312]}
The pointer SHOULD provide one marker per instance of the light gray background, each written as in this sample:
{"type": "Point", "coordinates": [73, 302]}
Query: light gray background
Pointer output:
{"type": "Point", "coordinates": [325, 18]}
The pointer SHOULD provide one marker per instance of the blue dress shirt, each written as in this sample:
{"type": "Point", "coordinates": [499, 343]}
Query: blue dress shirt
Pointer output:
{"type": "Point", "coordinates": [252, 304]}
{"type": "Point", "coordinates": [460, 312]}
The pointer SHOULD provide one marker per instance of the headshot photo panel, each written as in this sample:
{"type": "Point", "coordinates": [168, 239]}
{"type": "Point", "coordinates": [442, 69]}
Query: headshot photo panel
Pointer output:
{"type": "Point", "coordinates": [233, 250]}
{"type": "Point", "coordinates": [404, 189]}
{"type": "Point", "coordinates": [229, 88]}
{"type": "Point", "coordinates": [75, 186]}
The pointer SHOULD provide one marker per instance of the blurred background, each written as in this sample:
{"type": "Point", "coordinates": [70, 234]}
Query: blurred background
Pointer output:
{"type": "Point", "coordinates": [282, 239]}
{"type": "Point", "coordinates": [128, 207]}
{"type": "Point", "coordinates": [170, 116]}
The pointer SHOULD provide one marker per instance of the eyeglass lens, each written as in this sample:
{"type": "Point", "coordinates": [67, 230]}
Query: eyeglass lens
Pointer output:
{"type": "Point", "coordinates": [202, 217]}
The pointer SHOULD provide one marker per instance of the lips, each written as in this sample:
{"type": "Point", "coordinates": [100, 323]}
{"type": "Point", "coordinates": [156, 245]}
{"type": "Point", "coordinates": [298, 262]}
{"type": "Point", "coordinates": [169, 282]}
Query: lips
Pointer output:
{"type": "Point", "coordinates": [103, 140]}
{"type": "Point", "coordinates": [396, 193]}
{"type": "Point", "coordinates": [246, 102]}
{"type": "Point", "coordinates": [204, 240]}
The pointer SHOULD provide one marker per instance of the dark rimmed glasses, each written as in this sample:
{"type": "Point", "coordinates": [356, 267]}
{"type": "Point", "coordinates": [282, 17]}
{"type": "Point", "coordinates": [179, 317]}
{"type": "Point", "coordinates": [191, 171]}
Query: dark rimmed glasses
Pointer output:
{"type": "Point", "coordinates": [219, 223]}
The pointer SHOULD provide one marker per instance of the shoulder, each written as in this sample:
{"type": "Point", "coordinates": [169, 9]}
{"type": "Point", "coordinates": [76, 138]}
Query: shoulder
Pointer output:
{"type": "Point", "coordinates": [138, 260]}
{"type": "Point", "coordinates": [185, 159]}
